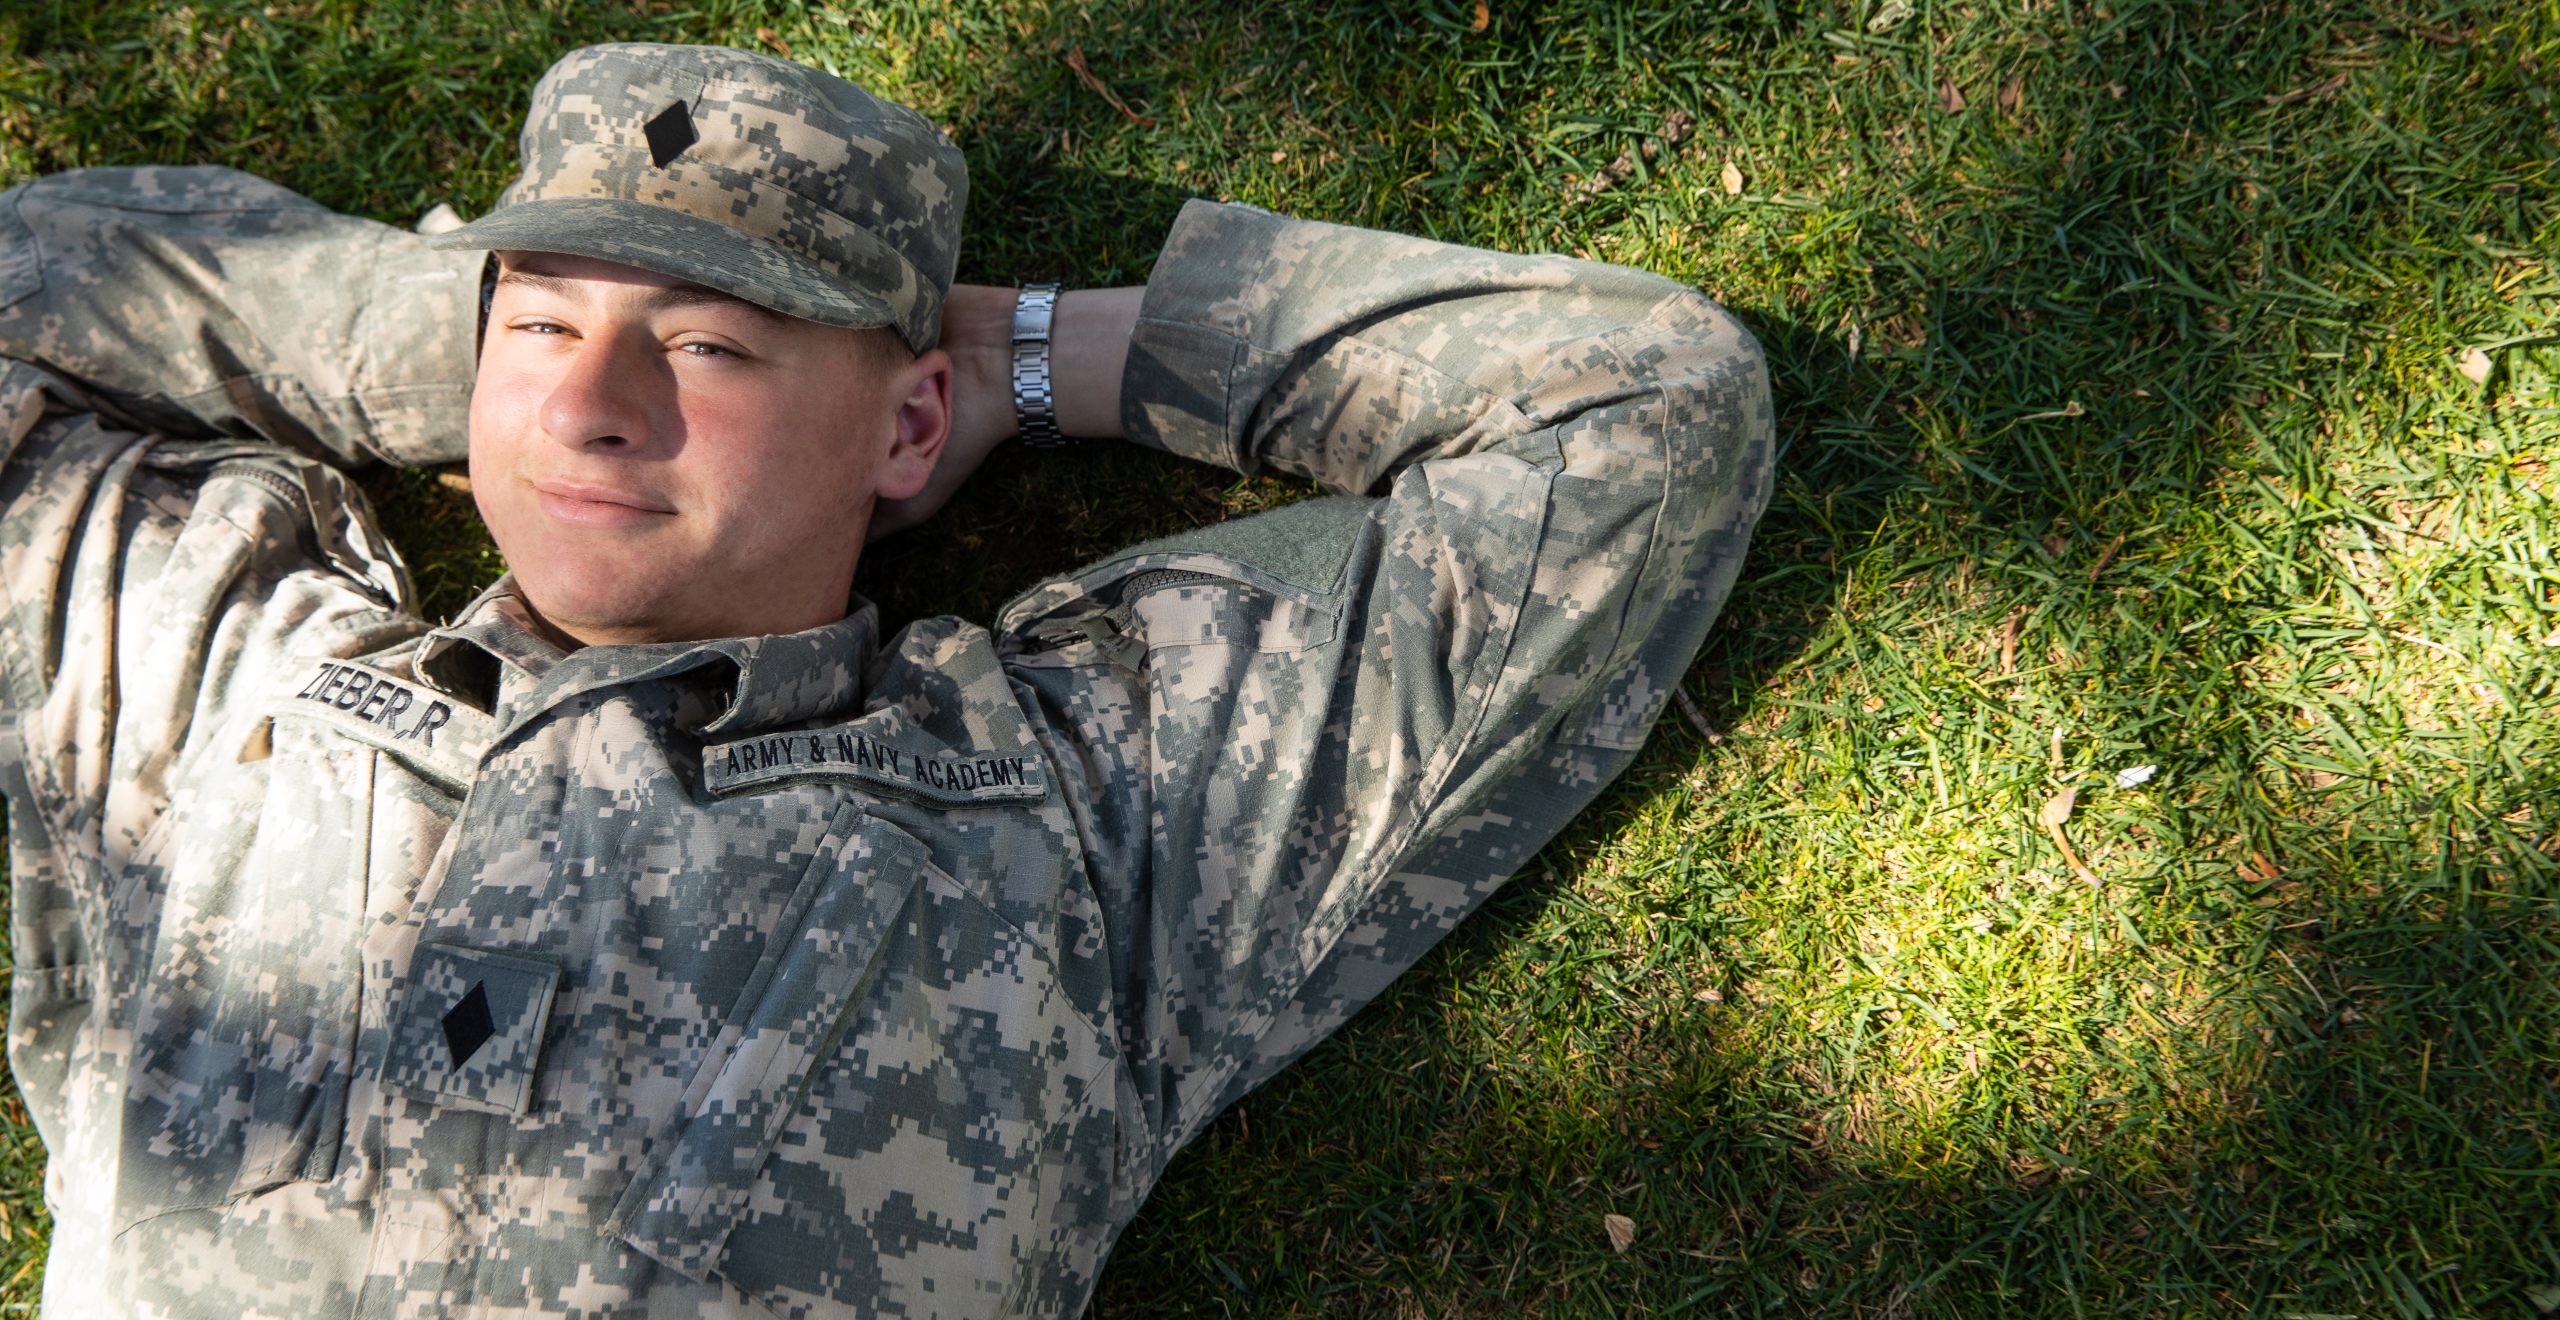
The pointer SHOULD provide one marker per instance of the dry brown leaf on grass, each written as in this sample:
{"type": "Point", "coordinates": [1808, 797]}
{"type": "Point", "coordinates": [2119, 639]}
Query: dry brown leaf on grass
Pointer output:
{"type": "Point", "coordinates": [1622, 1232]}
{"type": "Point", "coordinates": [2057, 809]}
{"type": "Point", "coordinates": [2106, 557]}
{"type": "Point", "coordinates": [1732, 179]}
{"type": "Point", "coordinates": [1484, 16]}
{"type": "Point", "coordinates": [2012, 94]}
{"type": "Point", "coordinates": [774, 39]}
{"type": "Point", "coordinates": [1084, 74]}
{"type": "Point", "coordinates": [1950, 97]}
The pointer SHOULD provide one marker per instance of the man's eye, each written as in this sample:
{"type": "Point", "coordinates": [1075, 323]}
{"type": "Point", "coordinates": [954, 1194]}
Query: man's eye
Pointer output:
{"type": "Point", "coordinates": [700, 349]}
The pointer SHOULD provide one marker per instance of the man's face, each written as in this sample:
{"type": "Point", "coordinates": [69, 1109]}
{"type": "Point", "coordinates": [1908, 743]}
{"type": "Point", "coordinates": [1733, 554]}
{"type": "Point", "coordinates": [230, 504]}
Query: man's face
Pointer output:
{"type": "Point", "coordinates": [659, 462]}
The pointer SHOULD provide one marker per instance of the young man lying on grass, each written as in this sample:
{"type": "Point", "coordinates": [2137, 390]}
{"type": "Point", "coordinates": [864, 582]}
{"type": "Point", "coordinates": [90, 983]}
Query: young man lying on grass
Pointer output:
{"type": "Point", "coordinates": [655, 938]}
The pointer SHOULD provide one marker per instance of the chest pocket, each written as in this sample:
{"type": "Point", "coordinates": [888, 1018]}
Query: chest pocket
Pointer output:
{"type": "Point", "coordinates": [253, 995]}
{"type": "Point", "coordinates": [791, 1014]}
{"type": "Point", "coordinates": [263, 880]}
{"type": "Point", "coordinates": [913, 1119]}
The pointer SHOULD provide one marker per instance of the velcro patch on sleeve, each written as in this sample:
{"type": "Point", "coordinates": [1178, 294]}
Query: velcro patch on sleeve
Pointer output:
{"type": "Point", "coordinates": [853, 752]}
{"type": "Point", "coordinates": [437, 735]}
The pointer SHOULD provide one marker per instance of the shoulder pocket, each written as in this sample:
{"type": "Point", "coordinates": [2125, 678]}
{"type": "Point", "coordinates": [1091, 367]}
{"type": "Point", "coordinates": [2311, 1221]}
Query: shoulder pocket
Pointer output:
{"type": "Point", "coordinates": [1272, 583]}
{"type": "Point", "coordinates": [689, 1195]}
{"type": "Point", "coordinates": [1160, 602]}
{"type": "Point", "coordinates": [1177, 607]}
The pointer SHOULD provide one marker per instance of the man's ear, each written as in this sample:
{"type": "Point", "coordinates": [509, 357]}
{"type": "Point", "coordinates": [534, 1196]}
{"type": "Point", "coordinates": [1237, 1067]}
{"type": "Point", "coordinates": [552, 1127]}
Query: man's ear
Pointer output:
{"type": "Point", "coordinates": [921, 391]}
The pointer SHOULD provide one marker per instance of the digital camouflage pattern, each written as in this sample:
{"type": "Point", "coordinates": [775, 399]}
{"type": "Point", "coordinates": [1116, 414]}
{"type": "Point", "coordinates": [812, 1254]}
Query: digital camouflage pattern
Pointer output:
{"type": "Point", "coordinates": [366, 967]}
{"type": "Point", "coordinates": [785, 186]}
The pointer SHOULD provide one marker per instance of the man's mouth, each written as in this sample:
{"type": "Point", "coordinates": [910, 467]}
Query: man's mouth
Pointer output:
{"type": "Point", "coordinates": [586, 504]}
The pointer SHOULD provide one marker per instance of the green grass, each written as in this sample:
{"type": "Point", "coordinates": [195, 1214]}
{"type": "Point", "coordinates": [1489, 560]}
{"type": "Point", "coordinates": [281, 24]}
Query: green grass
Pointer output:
{"type": "Point", "coordinates": [2122, 426]}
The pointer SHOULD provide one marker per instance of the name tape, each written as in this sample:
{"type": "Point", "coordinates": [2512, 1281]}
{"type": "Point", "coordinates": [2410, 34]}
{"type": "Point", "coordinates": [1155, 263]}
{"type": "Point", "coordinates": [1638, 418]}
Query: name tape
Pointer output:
{"type": "Point", "coordinates": [438, 735]}
{"type": "Point", "coordinates": [854, 753]}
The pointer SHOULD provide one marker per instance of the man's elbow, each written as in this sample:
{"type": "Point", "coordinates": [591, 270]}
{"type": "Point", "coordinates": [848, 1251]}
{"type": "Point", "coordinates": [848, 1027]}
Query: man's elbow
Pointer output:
{"type": "Point", "coordinates": [1706, 347]}
{"type": "Point", "coordinates": [1702, 414]}
{"type": "Point", "coordinates": [1697, 377]}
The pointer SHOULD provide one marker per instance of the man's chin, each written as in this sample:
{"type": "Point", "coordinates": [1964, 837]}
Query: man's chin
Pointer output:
{"type": "Point", "coordinates": [598, 617]}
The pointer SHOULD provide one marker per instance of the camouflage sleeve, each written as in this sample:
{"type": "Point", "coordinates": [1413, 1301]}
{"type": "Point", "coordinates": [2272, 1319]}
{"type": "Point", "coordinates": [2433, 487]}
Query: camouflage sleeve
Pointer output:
{"type": "Point", "coordinates": [1314, 740]}
{"type": "Point", "coordinates": [198, 302]}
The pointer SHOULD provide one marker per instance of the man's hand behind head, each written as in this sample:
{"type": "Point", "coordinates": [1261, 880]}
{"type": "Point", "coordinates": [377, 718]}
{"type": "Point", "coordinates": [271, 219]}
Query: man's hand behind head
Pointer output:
{"type": "Point", "coordinates": [977, 331]}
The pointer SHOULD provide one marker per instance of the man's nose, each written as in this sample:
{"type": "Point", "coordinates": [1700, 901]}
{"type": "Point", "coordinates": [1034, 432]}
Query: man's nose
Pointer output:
{"type": "Point", "coordinates": [601, 398]}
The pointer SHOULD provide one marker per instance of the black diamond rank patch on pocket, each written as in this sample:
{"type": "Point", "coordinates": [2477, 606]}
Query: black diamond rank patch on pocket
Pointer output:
{"type": "Point", "coordinates": [467, 1025]}
{"type": "Point", "coordinates": [467, 1030]}
{"type": "Point", "coordinates": [670, 133]}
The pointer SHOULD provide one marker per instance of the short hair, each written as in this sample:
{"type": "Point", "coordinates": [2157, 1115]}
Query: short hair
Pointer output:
{"type": "Point", "coordinates": [879, 349]}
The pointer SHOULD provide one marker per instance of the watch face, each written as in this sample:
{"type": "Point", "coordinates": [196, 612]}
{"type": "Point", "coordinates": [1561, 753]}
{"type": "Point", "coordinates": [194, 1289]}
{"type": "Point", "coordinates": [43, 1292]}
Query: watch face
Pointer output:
{"type": "Point", "coordinates": [1032, 310]}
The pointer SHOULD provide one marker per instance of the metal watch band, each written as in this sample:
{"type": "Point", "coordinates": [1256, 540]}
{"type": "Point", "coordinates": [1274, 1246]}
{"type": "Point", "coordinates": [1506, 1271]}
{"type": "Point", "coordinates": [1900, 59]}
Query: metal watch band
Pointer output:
{"type": "Point", "coordinates": [1034, 401]}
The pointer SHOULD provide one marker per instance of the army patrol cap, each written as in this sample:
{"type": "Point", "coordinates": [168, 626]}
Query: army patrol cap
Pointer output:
{"type": "Point", "coordinates": [764, 179]}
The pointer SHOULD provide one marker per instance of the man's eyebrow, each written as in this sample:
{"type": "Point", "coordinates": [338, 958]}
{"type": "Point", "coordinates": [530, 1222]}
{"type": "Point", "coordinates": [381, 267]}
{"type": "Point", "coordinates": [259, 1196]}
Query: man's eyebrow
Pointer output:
{"type": "Point", "coordinates": [671, 295]}
{"type": "Point", "coordinates": [694, 295]}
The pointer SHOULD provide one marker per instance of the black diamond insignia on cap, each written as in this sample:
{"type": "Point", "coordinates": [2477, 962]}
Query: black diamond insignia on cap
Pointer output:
{"type": "Point", "coordinates": [468, 1026]}
{"type": "Point", "coordinates": [670, 133]}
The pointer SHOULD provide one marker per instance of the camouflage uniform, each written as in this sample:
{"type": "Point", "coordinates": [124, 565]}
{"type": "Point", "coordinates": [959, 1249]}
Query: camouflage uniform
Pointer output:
{"type": "Point", "coordinates": [371, 967]}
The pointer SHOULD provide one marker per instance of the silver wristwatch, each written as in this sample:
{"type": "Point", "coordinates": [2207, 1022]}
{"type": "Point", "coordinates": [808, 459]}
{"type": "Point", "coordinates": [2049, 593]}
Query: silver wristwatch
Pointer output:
{"type": "Point", "coordinates": [1034, 400]}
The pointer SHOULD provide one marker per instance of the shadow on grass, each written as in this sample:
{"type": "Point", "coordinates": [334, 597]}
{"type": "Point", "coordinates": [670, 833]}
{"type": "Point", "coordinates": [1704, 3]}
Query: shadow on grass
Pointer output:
{"type": "Point", "coordinates": [2336, 1097]}
{"type": "Point", "coordinates": [2358, 1074]}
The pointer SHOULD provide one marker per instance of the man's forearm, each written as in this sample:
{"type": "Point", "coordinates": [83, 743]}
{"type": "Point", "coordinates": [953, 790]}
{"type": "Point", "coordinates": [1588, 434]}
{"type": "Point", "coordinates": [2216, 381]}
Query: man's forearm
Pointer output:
{"type": "Point", "coordinates": [1089, 348]}
{"type": "Point", "coordinates": [206, 302]}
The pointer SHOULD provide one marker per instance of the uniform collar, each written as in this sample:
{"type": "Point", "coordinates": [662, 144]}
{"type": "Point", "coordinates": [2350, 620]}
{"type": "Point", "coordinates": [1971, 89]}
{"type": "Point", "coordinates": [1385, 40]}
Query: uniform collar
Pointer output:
{"type": "Point", "coordinates": [493, 656]}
